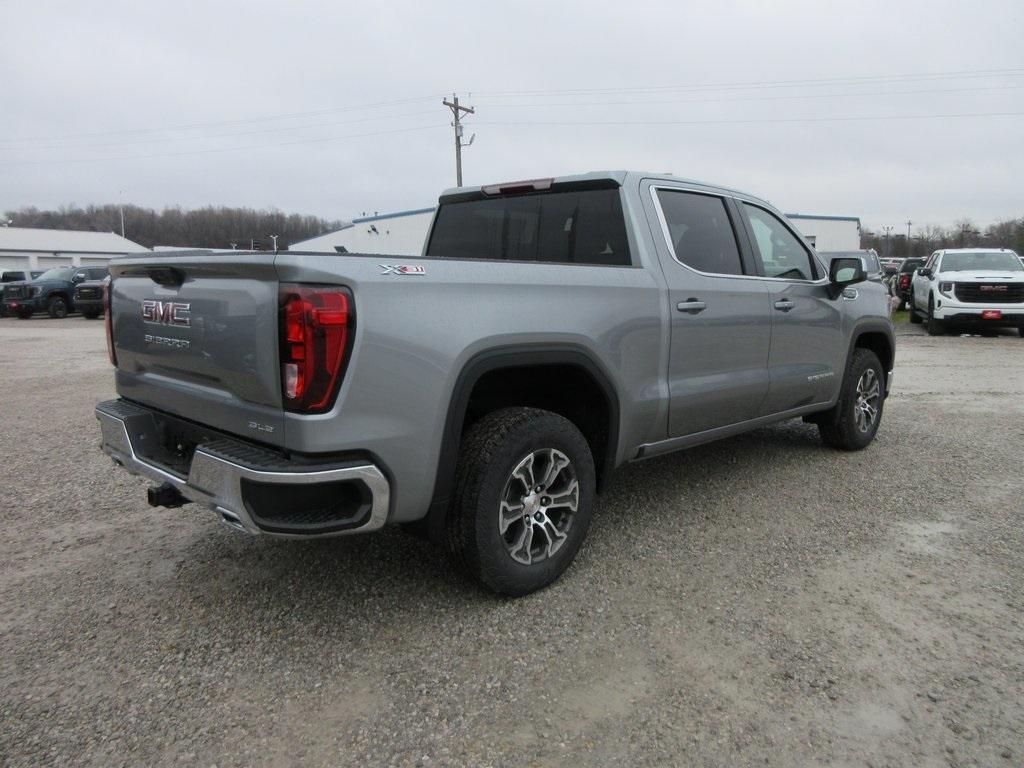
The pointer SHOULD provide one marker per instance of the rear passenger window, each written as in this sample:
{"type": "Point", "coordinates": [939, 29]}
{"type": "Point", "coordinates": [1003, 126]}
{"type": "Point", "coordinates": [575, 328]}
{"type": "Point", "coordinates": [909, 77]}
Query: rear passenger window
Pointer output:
{"type": "Point", "coordinates": [700, 232]}
{"type": "Point", "coordinates": [572, 227]}
{"type": "Point", "coordinates": [782, 254]}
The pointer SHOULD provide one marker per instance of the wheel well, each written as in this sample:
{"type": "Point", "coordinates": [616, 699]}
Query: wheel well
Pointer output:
{"type": "Point", "coordinates": [563, 380]}
{"type": "Point", "coordinates": [878, 343]}
{"type": "Point", "coordinates": [565, 389]}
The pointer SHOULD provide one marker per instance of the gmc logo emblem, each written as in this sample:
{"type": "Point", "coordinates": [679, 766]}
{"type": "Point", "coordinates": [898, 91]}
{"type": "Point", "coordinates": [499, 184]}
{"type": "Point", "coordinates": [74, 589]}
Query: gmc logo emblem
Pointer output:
{"type": "Point", "coordinates": [173, 313]}
{"type": "Point", "coordinates": [992, 288]}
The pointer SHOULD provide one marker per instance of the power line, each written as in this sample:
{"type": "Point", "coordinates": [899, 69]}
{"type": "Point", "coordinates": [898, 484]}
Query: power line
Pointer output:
{"type": "Point", "coordinates": [753, 120]}
{"type": "Point", "coordinates": [733, 99]}
{"type": "Point", "coordinates": [220, 123]}
{"type": "Point", "coordinates": [222, 149]}
{"type": "Point", "coordinates": [756, 84]}
{"type": "Point", "coordinates": [158, 140]}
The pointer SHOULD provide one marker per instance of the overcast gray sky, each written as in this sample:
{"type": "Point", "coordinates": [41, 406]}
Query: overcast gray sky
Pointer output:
{"type": "Point", "coordinates": [783, 99]}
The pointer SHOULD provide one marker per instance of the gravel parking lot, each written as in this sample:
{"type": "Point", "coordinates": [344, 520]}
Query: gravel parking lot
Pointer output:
{"type": "Point", "coordinates": [761, 601]}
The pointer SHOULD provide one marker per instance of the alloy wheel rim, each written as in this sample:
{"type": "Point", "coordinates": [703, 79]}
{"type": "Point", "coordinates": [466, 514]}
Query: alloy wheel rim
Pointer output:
{"type": "Point", "coordinates": [538, 505]}
{"type": "Point", "coordinates": [865, 409]}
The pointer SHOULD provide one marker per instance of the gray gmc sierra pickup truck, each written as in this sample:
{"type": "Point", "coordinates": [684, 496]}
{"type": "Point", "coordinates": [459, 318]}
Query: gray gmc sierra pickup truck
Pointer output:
{"type": "Point", "coordinates": [552, 331]}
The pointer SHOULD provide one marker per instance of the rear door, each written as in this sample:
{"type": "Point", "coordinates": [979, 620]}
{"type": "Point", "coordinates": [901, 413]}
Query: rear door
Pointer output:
{"type": "Point", "coordinates": [721, 325]}
{"type": "Point", "coordinates": [808, 351]}
{"type": "Point", "coordinates": [197, 336]}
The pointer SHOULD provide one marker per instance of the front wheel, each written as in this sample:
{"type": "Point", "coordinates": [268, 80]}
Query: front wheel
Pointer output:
{"type": "Point", "coordinates": [934, 327]}
{"type": "Point", "coordinates": [57, 307]}
{"type": "Point", "coordinates": [914, 317]}
{"type": "Point", "coordinates": [24, 314]}
{"type": "Point", "coordinates": [852, 423]}
{"type": "Point", "coordinates": [523, 499]}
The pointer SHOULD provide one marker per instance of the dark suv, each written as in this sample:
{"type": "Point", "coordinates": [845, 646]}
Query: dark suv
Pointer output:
{"type": "Point", "coordinates": [901, 281]}
{"type": "Point", "coordinates": [52, 291]}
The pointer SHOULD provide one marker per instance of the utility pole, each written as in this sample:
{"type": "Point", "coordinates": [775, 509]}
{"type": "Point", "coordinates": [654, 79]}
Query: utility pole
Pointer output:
{"type": "Point", "coordinates": [120, 207]}
{"type": "Point", "coordinates": [888, 229]}
{"type": "Point", "coordinates": [274, 238]}
{"type": "Point", "coordinates": [909, 254]}
{"type": "Point", "coordinates": [457, 111]}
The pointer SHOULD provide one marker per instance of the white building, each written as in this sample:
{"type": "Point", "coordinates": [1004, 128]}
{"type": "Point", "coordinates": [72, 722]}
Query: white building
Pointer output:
{"type": "Point", "coordinates": [396, 234]}
{"type": "Point", "coordinates": [25, 248]}
{"type": "Point", "coordinates": [403, 233]}
{"type": "Point", "coordinates": [828, 233]}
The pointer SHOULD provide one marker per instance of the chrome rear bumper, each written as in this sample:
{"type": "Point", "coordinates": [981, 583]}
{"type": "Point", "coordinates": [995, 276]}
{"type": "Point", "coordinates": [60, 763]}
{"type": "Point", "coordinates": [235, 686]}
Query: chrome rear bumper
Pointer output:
{"type": "Point", "coordinates": [215, 478]}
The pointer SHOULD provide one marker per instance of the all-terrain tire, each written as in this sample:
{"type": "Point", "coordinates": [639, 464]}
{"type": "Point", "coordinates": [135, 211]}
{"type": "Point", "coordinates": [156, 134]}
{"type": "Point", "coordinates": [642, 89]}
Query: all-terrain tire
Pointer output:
{"type": "Point", "coordinates": [491, 451]}
{"type": "Point", "coordinates": [914, 317]}
{"type": "Point", "coordinates": [24, 314]}
{"type": "Point", "coordinates": [933, 326]}
{"type": "Point", "coordinates": [840, 427]}
{"type": "Point", "coordinates": [57, 307]}
{"type": "Point", "coordinates": [90, 314]}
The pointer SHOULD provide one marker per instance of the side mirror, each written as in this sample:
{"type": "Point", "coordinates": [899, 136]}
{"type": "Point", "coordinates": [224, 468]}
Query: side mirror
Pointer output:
{"type": "Point", "coordinates": [78, 279]}
{"type": "Point", "coordinates": [846, 271]}
{"type": "Point", "coordinates": [924, 272]}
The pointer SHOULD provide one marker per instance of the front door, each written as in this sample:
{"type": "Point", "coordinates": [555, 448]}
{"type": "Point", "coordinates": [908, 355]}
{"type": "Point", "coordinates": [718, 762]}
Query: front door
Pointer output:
{"type": "Point", "coordinates": [721, 326]}
{"type": "Point", "coordinates": [808, 350]}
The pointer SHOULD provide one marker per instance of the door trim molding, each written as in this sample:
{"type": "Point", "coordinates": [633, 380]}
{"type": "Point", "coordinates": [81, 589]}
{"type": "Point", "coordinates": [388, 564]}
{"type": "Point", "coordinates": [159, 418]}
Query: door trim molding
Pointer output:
{"type": "Point", "coordinates": [649, 450]}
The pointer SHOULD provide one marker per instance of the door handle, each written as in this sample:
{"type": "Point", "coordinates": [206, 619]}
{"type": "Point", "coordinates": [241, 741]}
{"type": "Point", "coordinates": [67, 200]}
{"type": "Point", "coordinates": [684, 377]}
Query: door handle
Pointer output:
{"type": "Point", "coordinates": [691, 306]}
{"type": "Point", "coordinates": [784, 305]}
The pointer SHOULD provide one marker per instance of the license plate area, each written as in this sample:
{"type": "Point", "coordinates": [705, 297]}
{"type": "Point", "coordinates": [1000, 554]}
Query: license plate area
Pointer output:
{"type": "Point", "coordinates": [992, 314]}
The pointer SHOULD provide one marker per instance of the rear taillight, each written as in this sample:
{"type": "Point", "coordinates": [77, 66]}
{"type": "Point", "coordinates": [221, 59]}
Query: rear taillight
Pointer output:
{"type": "Point", "coordinates": [904, 281]}
{"type": "Point", "coordinates": [316, 324]}
{"type": "Point", "coordinates": [108, 321]}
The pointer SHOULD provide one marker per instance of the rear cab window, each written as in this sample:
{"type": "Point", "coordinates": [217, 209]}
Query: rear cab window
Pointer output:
{"type": "Point", "coordinates": [699, 231]}
{"type": "Point", "coordinates": [561, 226]}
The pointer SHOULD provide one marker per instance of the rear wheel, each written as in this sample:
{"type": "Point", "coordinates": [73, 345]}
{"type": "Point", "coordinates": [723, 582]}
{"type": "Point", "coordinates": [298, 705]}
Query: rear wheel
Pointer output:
{"type": "Point", "coordinates": [1020, 331]}
{"type": "Point", "coordinates": [57, 307]}
{"type": "Point", "coordinates": [934, 327]}
{"type": "Point", "coordinates": [24, 314]}
{"type": "Point", "coordinates": [90, 314]}
{"type": "Point", "coordinates": [852, 423]}
{"type": "Point", "coordinates": [523, 499]}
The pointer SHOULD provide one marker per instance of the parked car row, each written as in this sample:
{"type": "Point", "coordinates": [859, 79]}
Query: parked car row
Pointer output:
{"type": "Point", "coordinates": [58, 292]}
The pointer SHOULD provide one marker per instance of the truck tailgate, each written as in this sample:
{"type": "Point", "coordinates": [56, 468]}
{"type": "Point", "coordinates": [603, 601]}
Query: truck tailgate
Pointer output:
{"type": "Point", "coordinates": [196, 335]}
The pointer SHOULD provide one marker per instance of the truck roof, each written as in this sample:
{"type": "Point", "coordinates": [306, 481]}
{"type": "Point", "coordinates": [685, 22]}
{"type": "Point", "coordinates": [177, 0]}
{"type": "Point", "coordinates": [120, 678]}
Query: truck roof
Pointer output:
{"type": "Point", "coordinates": [618, 177]}
{"type": "Point", "coordinates": [976, 250]}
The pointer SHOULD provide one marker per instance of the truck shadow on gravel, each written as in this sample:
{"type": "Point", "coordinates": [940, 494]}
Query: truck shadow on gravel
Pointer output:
{"type": "Point", "coordinates": [642, 503]}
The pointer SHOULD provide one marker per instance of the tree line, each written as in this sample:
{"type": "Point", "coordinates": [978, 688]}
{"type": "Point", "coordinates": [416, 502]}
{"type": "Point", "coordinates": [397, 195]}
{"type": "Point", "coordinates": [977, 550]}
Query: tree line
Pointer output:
{"type": "Point", "coordinates": [210, 227]}
{"type": "Point", "coordinates": [931, 237]}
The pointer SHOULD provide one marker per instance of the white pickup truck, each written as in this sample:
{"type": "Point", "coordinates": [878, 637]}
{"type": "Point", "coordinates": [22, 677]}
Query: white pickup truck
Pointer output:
{"type": "Point", "coordinates": [969, 287]}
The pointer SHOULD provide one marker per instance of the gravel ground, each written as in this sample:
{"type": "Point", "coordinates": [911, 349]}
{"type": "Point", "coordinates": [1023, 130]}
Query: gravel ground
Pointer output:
{"type": "Point", "coordinates": [761, 601]}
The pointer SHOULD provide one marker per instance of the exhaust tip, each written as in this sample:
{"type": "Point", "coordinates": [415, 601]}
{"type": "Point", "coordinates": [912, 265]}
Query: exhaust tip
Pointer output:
{"type": "Point", "coordinates": [165, 495]}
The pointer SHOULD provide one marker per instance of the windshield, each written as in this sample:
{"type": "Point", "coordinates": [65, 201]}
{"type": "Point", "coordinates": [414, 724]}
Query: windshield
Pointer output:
{"type": "Point", "coordinates": [1004, 261]}
{"type": "Point", "coordinates": [57, 273]}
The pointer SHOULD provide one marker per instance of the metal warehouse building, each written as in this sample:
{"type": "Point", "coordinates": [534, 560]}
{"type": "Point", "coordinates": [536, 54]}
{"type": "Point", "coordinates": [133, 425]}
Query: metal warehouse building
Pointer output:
{"type": "Point", "coordinates": [403, 233]}
{"type": "Point", "coordinates": [24, 248]}
{"type": "Point", "coordinates": [828, 233]}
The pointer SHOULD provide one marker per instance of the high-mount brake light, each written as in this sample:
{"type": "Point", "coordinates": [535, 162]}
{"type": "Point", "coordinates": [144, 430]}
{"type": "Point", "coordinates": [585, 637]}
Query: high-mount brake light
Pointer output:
{"type": "Point", "coordinates": [108, 320]}
{"type": "Point", "coordinates": [316, 323]}
{"type": "Point", "coordinates": [517, 187]}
